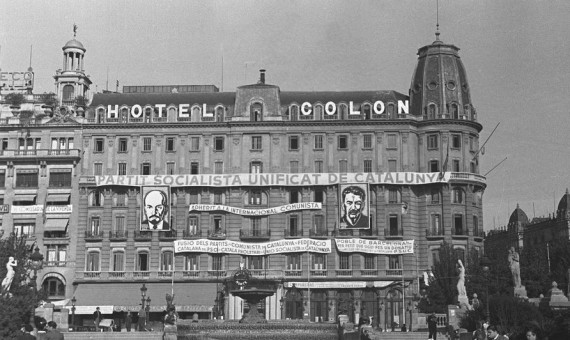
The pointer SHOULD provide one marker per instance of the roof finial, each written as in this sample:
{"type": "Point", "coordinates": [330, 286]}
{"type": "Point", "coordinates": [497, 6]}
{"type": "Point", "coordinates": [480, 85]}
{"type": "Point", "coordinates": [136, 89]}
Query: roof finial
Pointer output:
{"type": "Point", "coordinates": [437, 20]}
{"type": "Point", "coordinates": [74, 30]}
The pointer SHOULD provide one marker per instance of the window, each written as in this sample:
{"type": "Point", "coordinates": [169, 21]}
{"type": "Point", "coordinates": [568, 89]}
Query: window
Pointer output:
{"type": "Point", "coordinates": [193, 198]}
{"type": "Point", "coordinates": [435, 196]}
{"type": "Point", "coordinates": [457, 195]}
{"type": "Point", "coordinates": [294, 196]}
{"type": "Point", "coordinates": [123, 142]}
{"type": "Point", "coordinates": [458, 224]}
{"type": "Point", "coordinates": [392, 141]}
{"type": "Point", "coordinates": [169, 144]}
{"type": "Point", "coordinates": [95, 225]}
{"type": "Point", "coordinates": [145, 169]}
{"type": "Point", "coordinates": [54, 288]}
{"type": "Point", "coordinates": [320, 225]}
{"type": "Point", "coordinates": [147, 144]}
{"type": "Point", "coordinates": [293, 262]}
{"type": "Point", "coordinates": [122, 171]}
{"type": "Point", "coordinates": [455, 165]}
{"type": "Point", "coordinates": [60, 178]}
{"type": "Point", "coordinates": [294, 166]}
{"type": "Point", "coordinates": [218, 198]}
{"type": "Point", "coordinates": [256, 167]}
{"type": "Point", "coordinates": [255, 197]}
{"type": "Point", "coordinates": [343, 261]}
{"type": "Point", "coordinates": [2, 178]}
{"type": "Point", "coordinates": [191, 262]}
{"type": "Point", "coordinates": [192, 225]}
{"type": "Point", "coordinates": [294, 225]}
{"type": "Point", "coordinates": [343, 142]}
{"type": "Point", "coordinates": [476, 226]}
{"type": "Point", "coordinates": [433, 166]}
{"type": "Point", "coordinates": [194, 168]}
{"type": "Point", "coordinates": [218, 143]}
{"type": "Point", "coordinates": [95, 199]}
{"type": "Point", "coordinates": [472, 168]}
{"type": "Point", "coordinates": [394, 225]}
{"type": "Point", "coordinates": [92, 264]}
{"type": "Point", "coordinates": [142, 261]}
{"type": "Point", "coordinates": [318, 142]}
{"type": "Point", "coordinates": [195, 144]}
{"type": "Point", "coordinates": [369, 261]}
{"type": "Point", "coordinates": [394, 262]}
{"type": "Point", "coordinates": [432, 142]}
{"type": "Point", "coordinates": [392, 165]}
{"type": "Point", "coordinates": [218, 224]}
{"type": "Point", "coordinates": [472, 144]}
{"type": "Point", "coordinates": [217, 262]}
{"type": "Point", "coordinates": [393, 196]}
{"type": "Point", "coordinates": [293, 142]}
{"type": "Point", "coordinates": [256, 142]}
{"type": "Point", "coordinates": [218, 167]}
{"type": "Point", "coordinates": [27, 178]}
{"type": "Point", "coordinates": [255, 226]}
{"type": "Point", "coordinates": [367, 165]}
{"type": "Point", "coordinates": [319, 262]}
{"type": "Point", "coordinates": [170, 168]}
{"type": "Point", "coordinates": [118, 261]}
{"type": "Point", "coordinates": [99, 145]}
{"type": "Point", "coordinates": [343, 166]}
{"type": "Point", "coordinates": [98, 169]}
{"type": "Point", "coordinates": [27, 229]}
{"type": "Point", "coordinates": [318, 167]}
{"type": "Point", "coordinates": [436, 225]}
{"type": "Point", "coordinates": [367, 141]}
{"type": "Point", "coordinates": [166, 259]}
{"type": "Point", "coordinates": [319, 195]}
{"type": "Point", "coordinates": [256, 112]}
{"type": "Point", "coordinates": [435, 256]}
{"type": "Point", "coordinates": [456, 141]}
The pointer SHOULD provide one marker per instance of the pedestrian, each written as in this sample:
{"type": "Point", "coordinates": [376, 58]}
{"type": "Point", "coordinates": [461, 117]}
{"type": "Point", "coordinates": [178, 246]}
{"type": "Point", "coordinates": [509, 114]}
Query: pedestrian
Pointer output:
{"type": "Point", "coordinates": [97, 318]}
{"type": "Point", "coordinates": [531, 333]}
{"type": "Point", "coordinates": [493, 333]}
{"type": "Point", "coordinates": [142, 320]}
{"type": "Point", "coordinates": [480, 332]}
{"type": "Point", "coordinates": [26, 330]}
{"type": "Point", "coordinates": [432, 326]}
{"type": "Point", "coordinates": [52, 332]}
{"type": "Point", "coordinates": [128, 321]}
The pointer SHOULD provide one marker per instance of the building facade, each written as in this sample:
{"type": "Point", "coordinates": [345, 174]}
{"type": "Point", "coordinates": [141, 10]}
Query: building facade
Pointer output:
{"type": "Point", "coordinates": [340, 198]}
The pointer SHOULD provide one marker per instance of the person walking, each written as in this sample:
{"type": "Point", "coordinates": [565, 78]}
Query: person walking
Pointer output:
{"type": "Point", "coordinates": [97, 318]}
{"type": "Point", "coordinates": [26, 333]}
{"type": "Point", "coordinates": [493, 333]}
{"type": "Point", "coordinates": [128, 321]}
{"type": "Point", "coordinates": [432, 326]}
{"type": "Point", "coordinates": [52, 332]}
{"type": "Point", "coordinates": [142, 320]}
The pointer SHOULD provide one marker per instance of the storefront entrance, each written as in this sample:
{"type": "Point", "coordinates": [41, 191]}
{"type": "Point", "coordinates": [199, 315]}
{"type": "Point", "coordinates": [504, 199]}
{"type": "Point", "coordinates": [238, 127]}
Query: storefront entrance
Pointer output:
{"type": "Point", "coordinates": [394, 317]}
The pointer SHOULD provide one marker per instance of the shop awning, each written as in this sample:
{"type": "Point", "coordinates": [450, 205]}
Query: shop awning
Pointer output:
{"type": "Point", "coordinates": [58, 198]}
{"type": "Point", "coordinates": [188, 296]}
{"type": "Point", "coordinates": [56, 224]}
{"type": "Point", "coordinates": [24, 198]}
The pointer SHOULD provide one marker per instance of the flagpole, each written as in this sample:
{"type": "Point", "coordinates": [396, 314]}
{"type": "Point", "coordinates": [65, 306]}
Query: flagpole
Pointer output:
{"type": "Point", "coordinates": [309, 285]}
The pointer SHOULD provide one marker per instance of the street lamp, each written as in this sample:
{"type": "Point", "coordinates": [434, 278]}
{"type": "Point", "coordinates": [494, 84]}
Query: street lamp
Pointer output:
{"type": "Point", "coordinates": [73, 301]}
{"type": "Point", "coordinates": [485, 264]}
{"type": "Point", "coordinates": [143, 294]}
{"type": "Point", "coordinates": [36, 263]}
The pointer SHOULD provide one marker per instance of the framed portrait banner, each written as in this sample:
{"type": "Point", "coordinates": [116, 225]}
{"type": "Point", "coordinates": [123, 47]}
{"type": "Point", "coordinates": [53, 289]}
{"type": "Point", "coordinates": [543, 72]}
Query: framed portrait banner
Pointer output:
{"type": "Point", "coordinates": [155, 210]}
{"type": "Point", "coordinates": [354, 208]}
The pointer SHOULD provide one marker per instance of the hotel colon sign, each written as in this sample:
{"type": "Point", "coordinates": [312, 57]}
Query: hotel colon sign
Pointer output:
{"type": "Point", "coordinates": [254, 177]}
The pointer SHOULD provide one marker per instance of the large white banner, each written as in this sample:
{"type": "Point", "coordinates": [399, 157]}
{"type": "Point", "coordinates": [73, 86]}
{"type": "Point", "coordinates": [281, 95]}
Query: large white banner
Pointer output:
{"type": "Point", "coordinates": [263, 248]}
{"type": "Point", "coordinates": [353, 245]}
{"type": "Point", "coordinates": [257, 212]}
{"type": "Point", "coordinates": [271, 179]}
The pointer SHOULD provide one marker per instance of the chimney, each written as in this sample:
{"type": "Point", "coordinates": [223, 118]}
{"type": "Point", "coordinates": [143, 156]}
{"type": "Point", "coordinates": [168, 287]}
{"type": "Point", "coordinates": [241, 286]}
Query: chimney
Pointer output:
{"type": "Point", "coordinates": [262, 76]}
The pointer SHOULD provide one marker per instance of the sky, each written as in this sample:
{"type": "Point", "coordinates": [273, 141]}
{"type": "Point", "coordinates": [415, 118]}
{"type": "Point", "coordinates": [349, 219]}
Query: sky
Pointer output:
{"type": "Point", "coordinates": [515, 53]}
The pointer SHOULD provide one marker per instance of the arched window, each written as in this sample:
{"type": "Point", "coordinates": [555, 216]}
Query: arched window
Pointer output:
{"type": "Point", "coordinates": [118, 259]}
{"type": "Point", "coordinates": [256, 112]}
{"type": "Point", "coordinates": [457, 196]}
{"type": "Point", "coordinates": [343, 109]}
{"type": "Point", "coordinates": [390, 111]}
{"type": "Point", "coordinates": [95, 199]}
{"type": "Point", "coordinates": [68, 93]}
{"type": "Point", "coordinates": [142, 259]}
{"type": "Point", "coordinates": [219, 114]}
{"type": "Point", "coordinates": [171, 114]}
{"type": "Point", "coordinates": [318, 109]}
{"type": "Point", "coordinates": [366, 111]}
{"type": "Point", "coordinates": [54, 288]}
{"type": "Point", "coordinates": [147, 114]}
{"type": "Point", "coordinates": [92, 262]}
{"type": "Point", "coordinates": [166, 260]}
{"type": "Point", "coordinates": [124, 116]}
{"type": "Point", "coordinates": [432, 111]}
{"type": "Point", "coordinates": [294, 113]}
{"type": "Point", "coordinates": [454, 111]}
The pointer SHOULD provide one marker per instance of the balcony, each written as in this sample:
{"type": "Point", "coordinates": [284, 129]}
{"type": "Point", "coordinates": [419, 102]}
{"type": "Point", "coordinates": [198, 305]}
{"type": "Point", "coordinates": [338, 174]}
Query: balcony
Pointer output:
{"type": "Point", "coordinates": [218, 234]}
{"type": "Point", "coordinates": [292, 233]}
{"type": "Point", "coordinates": [55, 263]}
{"type": "Point", "coordinates": [293, 273]}
{"type": "Point", "coordinates": [371, 233]}
{"type": "Point", "coordinates": [434, 234]}
{"type": "Point", "coordinates": [169, 235]}
{"type": "Point", "coordinates": [342, 233]}
{"type": "Point", "coordinates": [143, 236]}
{"type": "Point", "coordinates": [93, 236]}
{"type": "Point", "coordinates": [393, 272]}
{"type": "Point", "coordinates": [40, 154]}
{"type": "Point", "coordinates": [369, 272]}
{"type": "Point", "coordinates": [56, 235]}
{"type": "Point", "coordinates": [319, 273]}
{"type": "Point", "coordinates": [318, 233]}
{"type": "Point", "coordinates": [459, 233]}
{"type": "Point", "coordinates": [191, 234]}
{"type": "Point", "coordinates": [344, 272]}
{"type": "Point", "coordinates": [393, 233]}
{"type": "Point", "coordinates": [479, 234]}
{"type": "Point", "coordinates": [118, 235]}
{"type": "Point", "coordinates": [469, 177]}
{"type": "Point", "coordinates": [266, 273]}
{"type": "Point", "coordinates": [255, 235]}
{"type": "Point", "coordinates": [216, 273]}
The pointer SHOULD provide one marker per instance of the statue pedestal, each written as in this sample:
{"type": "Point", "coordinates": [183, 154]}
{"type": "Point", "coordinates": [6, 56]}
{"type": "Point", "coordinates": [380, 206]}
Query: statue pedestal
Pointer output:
{"type": "Point", "coordinates": [170, 332]}
{"type": "Point", "coordinates": [520, 292]}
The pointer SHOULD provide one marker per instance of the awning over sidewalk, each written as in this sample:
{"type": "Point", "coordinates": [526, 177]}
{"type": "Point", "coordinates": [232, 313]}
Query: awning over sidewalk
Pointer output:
{"type": "Point", "coordinates": [56, 224]}
{"type": "Point", "coordinates": [119, 297]}
{"type": "Point", "coordinates": [58, 198]}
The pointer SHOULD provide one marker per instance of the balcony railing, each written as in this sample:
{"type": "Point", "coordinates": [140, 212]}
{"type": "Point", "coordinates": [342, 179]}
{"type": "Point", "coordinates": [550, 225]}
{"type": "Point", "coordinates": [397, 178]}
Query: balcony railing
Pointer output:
{"type": "Point", "coordinates": [143, 235]}
{"type": "Point", "coordinates": [255, 234]}
{"type": "Point", "coordinates": [167, 235]}
{"type": "Point", "coordinates": [118, 235]}
{"type": "Point", "coordinates": [344, 272]}
{"type": "Point", "coordinates": [319, 273]}
{"type": "Point", "coordinates": [393, 232]}
{"type": "Point", "coordinates": [55, 235]}
{"type": "Point", "coordinates": [369, 272]}
{"type": "Point", "coordinates": [72, 153]}
{"type": "Point", "coordinates": [318, 233]}
{"type": "Point", "coordinates": [189, 234]}
{"type": "Point", "coordinates": [467, 176]}
{"type": "Point", "coordinates": [479, 233]}
{"type": "Point", "coordinates": [432, 232]}
{"type": "Point", "coordinates": [459, 232]}
{"type": "Point", "coordinates": [288, 232]}
{"type": "Point", "coordinates": [293, 272]}
{"type": "Point", "coordinates": [55, 263]}
{"type": "Point", "coordinates": [93, 236]}
{"type": "Point", "coordinates": [217, 235]}
{"type": "Point", "coordinates": [393, 272]}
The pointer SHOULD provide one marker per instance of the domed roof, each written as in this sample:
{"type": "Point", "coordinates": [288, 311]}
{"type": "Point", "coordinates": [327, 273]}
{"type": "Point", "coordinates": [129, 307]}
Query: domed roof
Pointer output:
{"type": "Point", "coordinates": [439, 83]}
{"type": "Point", "coordinates": [564, 204]}
{"type": "Point", "coordinates": [74, 43]}
{"type": "Point", "coordinates": [518, 215]}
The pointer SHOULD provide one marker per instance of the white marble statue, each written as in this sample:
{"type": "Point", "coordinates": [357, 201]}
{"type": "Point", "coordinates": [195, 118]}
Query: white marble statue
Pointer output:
{"type": "Point", "coordinates": [461, 281]}
{"type": "Point", "coordinates": [7, 282]}
{"type": "Point", "coordinates": [515, 267]}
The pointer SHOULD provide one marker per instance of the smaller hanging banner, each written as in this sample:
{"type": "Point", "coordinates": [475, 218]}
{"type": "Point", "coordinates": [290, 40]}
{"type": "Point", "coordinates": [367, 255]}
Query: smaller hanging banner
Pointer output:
{"type": "Point", "coordinates": [352, 245]}
{"type": "Point", "coordinates": [257, 212]}
{"type": "Point", "coordinates": [263, 248]}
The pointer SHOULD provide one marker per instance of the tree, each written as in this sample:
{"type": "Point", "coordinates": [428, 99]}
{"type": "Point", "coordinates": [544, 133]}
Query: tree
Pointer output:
{"type": "Point", "coordinates": [49, 100]}
{"type": "Point", "coordinates": [15, 99]}
{"type": "Point", "coordinates": [16, 307]}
